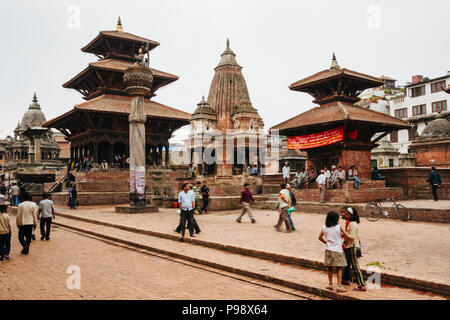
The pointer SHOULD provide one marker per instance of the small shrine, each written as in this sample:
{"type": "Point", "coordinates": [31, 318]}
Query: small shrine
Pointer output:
{"type": "Point", "coordinates": [432, 147]}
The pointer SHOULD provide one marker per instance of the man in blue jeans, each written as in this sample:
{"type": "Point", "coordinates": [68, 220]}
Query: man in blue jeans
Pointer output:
{"type": "Point", "coordinates": [186, 203]}
{"type": "Point", "coordinates": [14, 192]}
{"type": "Point", "coordinates": [353, 176]}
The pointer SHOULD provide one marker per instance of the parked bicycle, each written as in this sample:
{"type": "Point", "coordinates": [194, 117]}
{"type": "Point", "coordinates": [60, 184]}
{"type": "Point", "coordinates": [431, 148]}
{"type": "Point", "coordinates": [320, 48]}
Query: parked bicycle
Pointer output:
{"type": "Point", "coordinates": [373, 211]}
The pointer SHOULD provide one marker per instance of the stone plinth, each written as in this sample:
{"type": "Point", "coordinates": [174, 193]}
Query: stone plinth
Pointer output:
{"type": "Point", "coordinates": [131, 209]}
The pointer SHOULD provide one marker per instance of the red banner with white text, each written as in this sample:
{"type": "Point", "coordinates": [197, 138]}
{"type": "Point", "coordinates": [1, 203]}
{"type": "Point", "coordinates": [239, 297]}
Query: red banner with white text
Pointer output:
{"type": "Point", "coordinates": [315, 140]}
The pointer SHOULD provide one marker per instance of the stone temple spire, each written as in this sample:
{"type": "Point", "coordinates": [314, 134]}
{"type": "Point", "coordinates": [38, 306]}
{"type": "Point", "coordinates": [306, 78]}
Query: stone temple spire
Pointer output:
{"type": "Point", "coordinates": [228, 57]}
{"type": "Point", "coordinates": [119, 25]}
{"type": "Point", "coordinates": [35, 105]}
{"type": "Point", "coordinates": [334, 63]}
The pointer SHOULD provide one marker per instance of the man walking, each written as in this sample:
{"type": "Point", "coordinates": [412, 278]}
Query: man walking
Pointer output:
{"type": "Point", "coordinates": [246, 197]}
{"type": "Point", "coordinates": [205, 196]}
{"type": "Point", "coordinates": [434, 180]}
{"type": "Point", "coordinates": [14, 195]}
{"type": "Point", "coordinates": [284, 202]}
{"type": "Point", "coordinates": [22, 192]}
{"type": "Point", "coordinates": [26, 221]}
{"type": "Point", "coordinates": [186, 203]}
{"type": "Point", "coordinates": [321, 182]}
{"type": "Point", "coordinates": [5, 233]}
{"type": "Point", "coordinates": [45, 213]}
{"type": "Point", "coordinates": [286, 172]}
{"type": "Point", "coordinates": [292, 208]}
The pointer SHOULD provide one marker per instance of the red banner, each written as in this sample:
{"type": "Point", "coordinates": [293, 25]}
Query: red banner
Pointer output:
{"type": "Point", "coordinates": [315, 140]}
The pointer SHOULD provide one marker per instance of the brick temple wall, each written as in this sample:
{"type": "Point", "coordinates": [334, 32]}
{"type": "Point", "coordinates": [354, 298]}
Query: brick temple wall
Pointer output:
{"type": "Point", "coordinates": [413, 181]}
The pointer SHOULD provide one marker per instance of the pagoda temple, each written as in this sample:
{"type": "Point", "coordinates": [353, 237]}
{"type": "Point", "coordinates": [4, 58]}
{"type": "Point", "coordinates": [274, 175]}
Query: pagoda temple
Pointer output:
{"type": "Point", "coordinates": [337, 132]}
{"type": "Point", "coordinates": [228, 113]}
{"type": "Point", "coordinates": [99, 126]}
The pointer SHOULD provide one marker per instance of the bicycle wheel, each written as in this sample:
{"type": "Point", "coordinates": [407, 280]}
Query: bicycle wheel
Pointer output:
{"type": "Point", "coordinates": [372, 211]}
{"type": "Point", "coordinates": [402, 212]}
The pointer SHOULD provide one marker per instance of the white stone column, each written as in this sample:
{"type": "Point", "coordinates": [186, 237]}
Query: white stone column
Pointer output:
{"type": "Point", "coordinates": [138, 80]}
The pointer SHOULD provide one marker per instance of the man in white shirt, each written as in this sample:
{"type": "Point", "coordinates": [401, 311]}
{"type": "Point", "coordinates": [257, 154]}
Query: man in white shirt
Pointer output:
{"type": "Point", "coordinates": [186, 203]}
{"type": "Point", "coordinates": [45, 213]}
{"type": "Point", "coordinates": [321, 180]}
{"type": "Point", "coordinates": [353, 176]}
{"type": "Point", "coordinates": [26, 221]}
{"type": "Point", "coordinates": [286, 172]}
{"type": "Point", "coordinates": [284, 202]}
{"type": "Point", "coordinates": [341, 177]}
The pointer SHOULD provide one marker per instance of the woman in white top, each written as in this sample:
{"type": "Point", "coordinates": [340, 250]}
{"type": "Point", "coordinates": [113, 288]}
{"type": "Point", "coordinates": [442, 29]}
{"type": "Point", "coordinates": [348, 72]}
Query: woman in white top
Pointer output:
{"type": "Point", "coordinates": [331, 235]}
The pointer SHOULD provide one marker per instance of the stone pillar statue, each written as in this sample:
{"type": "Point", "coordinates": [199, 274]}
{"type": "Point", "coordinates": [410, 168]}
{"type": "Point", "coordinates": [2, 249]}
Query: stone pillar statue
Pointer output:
{"type": "Point", "coordinates": [138, 80]}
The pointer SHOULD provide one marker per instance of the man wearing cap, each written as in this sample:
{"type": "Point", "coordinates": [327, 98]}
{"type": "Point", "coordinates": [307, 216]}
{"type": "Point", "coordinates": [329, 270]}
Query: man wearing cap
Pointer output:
{"type": "Point", "coordinates": [333, 181]}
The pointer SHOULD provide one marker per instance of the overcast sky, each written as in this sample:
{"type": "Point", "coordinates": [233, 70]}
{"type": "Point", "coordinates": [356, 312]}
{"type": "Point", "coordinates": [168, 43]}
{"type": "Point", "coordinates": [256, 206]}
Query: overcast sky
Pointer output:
{"type": "Point", "coordinates": [277, 43]}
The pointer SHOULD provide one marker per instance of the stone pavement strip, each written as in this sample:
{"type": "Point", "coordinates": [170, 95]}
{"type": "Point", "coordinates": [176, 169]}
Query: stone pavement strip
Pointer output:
{"type": "Point", "coordinates": [412, 249]}
{"type": "Point", "coordinates": [111, 272]}
{"type": "Point", "coordinates": [313, 281]}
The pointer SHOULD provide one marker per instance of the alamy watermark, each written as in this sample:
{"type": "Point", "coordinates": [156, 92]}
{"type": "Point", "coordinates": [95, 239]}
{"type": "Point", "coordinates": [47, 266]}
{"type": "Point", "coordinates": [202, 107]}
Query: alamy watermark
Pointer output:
{"type": "Point", "coordinates": [74, 280]}
{"type": "Point", "coordinates": [73, 21]}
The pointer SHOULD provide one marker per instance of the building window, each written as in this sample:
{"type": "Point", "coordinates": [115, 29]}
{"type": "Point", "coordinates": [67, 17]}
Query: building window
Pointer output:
{"type": "Point", "coordinates": [417, 110]}
{"type": "Point", "coordinates": [394, 136]}
{"type": "Point", "coordinates": [439, 106]}
{"type": "Point", "coordinates": [401, 113]}
{"type": "Point", "coordinates": [437, 86]}
{"type": "Point", "coordinates": [391, 163]}
{"type": "Point", "coordinates": [418, 91]}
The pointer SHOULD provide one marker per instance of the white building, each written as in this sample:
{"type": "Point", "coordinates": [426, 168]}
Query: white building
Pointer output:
{"type": "Point", "coordinates": [379, 99]}
{"type": "Point", "coordinates": [422, 100]}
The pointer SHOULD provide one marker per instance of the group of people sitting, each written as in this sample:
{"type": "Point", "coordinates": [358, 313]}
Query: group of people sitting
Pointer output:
{"type": "Point", "coordinates": [121, 161]}
{"type": "Point", "coordinates": [83, 163]}
{"type": "Point", "coordinates": [329, 179]}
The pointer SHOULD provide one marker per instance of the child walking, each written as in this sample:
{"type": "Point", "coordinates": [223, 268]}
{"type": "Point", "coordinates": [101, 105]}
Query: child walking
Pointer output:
{"type": "Point", "coordinates": [5, 233]}
{"type": "Point", "coordinates": [334, 255]}
{"type": "Point", "coordinates": [351, 245]}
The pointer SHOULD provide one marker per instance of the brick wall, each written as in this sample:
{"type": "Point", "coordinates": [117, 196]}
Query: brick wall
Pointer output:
{"type": "Point", "coordinates": [413, 181]}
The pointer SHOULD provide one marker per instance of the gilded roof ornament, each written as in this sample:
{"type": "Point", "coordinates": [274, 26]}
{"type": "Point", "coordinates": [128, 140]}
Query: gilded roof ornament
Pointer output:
{"type": "Point", "coordinates": [334, 63]}
{"type": "Point", "coordinates": [119, 25]}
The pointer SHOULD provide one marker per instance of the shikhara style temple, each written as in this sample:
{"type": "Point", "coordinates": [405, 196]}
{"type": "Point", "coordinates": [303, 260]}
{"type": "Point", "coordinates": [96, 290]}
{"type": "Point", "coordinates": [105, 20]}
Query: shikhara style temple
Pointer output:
{"type": "Point", "coordinates": [99, 126]}
{"type": "Point", "coordinates": [227, 115]}
{"type": "Point", "coordinates": [337, 132]}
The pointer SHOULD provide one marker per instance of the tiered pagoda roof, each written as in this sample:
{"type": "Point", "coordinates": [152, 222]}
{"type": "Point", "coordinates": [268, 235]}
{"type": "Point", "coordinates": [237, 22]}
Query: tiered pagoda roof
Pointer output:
{"type": "Point", "coordinates": [336, 90]}
{"type": "Point", "coordinates": [116, 51]}
{"type": "Point", "coordinates": [94, 114]}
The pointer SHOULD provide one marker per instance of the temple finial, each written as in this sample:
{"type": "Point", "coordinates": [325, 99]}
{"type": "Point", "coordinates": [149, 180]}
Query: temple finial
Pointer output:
{"type": "Point", "coordinates": [119, 25]}
{"type": "Point", "coordinates": [203, 98]}
{"type": "Point", "coordinates": [35, 97]}
{"type": "Point", "coordinates": [228, 44]}
{"type": "Point", "coordinates": [334, 63]}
